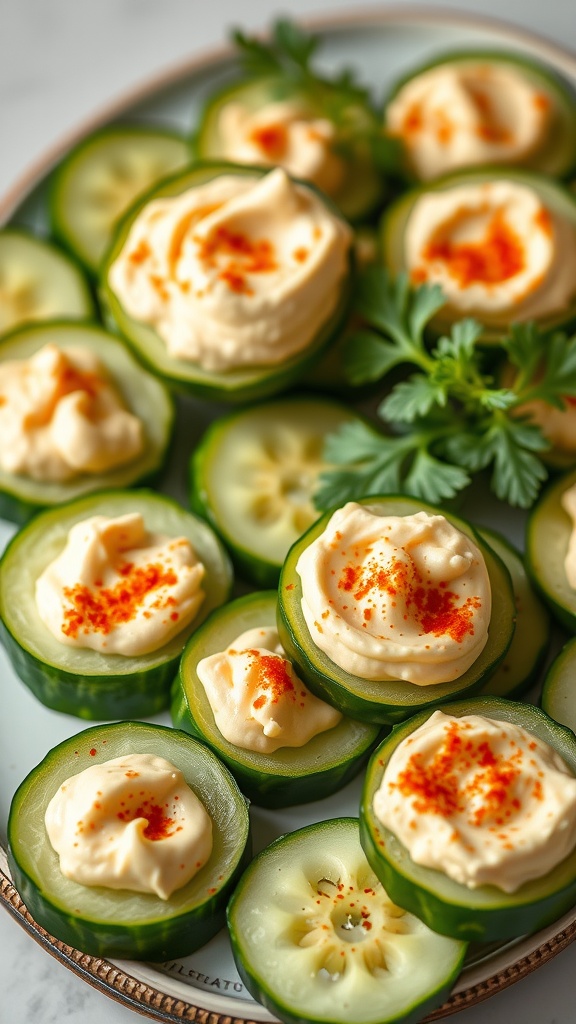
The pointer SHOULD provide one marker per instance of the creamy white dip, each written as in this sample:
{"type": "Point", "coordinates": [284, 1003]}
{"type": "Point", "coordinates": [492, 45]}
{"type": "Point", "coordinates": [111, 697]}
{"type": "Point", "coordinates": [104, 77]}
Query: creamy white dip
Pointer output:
{"type": "Point", "coordinates": [130, 823]}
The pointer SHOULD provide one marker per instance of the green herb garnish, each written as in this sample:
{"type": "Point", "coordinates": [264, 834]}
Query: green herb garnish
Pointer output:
{"type": "Point", "coordinates": [288, 56]}
{"type": "Point", "coordinates": [449, 419]}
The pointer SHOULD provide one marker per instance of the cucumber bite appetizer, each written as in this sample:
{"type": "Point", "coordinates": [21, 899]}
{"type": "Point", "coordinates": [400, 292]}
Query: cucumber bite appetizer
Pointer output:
{"type": "Point", "coordinates": [316, 938]}
{"type": "Point", "coordinates": [127, 841]}
{"type": "Point", "coordinates": [39, 282]}
{"type": "Point", "coordinates": [468, 818]}
{"type": "Point", "coordinates": [282, 113]}
{"type": "Point", "coordinates": [98, 597]}
{"type": "Point", "coordinates": [254, 474]}
{"type": "Point", "coordinates": [501, 243]}
{"type": "Point", "coordinates": [483, 107]}
{"type": "Point", "coordinates": [100, 179]}
{"type": "Point", "coordinates": [78, 414]}
{"type": "Point", "coordinates": [388, 606]}
{"type": "Point", "coordinates": [229, 281]}
{"type": "Point", "coordinates": [237, 691]}
{"type": "Point", "coordinates": [551, 548]}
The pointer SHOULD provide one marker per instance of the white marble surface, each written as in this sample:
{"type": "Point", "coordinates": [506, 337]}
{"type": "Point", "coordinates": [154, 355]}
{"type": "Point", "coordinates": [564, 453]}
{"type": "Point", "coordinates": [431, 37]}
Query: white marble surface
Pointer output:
{"type": "Point", "coordinates": [60, 62]}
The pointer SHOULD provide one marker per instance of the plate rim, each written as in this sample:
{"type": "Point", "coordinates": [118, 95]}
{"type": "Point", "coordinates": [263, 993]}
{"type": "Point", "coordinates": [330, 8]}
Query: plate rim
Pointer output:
{"type": "Point", "coordinates": [103, 975]}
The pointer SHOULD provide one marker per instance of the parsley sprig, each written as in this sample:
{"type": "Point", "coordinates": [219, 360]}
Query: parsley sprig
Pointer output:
{"type": "Point", "coordinates": [288, 56]}
{"type": "Point", "coordinates": [449, 419]}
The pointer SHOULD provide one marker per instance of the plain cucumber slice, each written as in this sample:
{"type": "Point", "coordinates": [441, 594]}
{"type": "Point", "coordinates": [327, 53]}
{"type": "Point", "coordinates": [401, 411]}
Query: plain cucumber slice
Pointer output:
{"type": "Point", "coordinates": [253, 476]}
{"type": "Point", "coordinates": [235, 385]}
{"type": "Point", "coordinates": [83, 682]}
{"type": "Point", "coordinates": [317, 939]}
{"type": "Point", "coordinates": [362, 188]}
{"type": "Point", "coordinates": [120, 923]}
{"type": "Point", "coordinates": [486, 913]}
{"type": "Point", "coordinates": [388, 701]}
{"type": "Point", "coordinates": [97, 182]}
{"type": "Point", "coordinates": [547, 538]}
{"type": "Point", "coordinates": [527, 652]}
{"type": "Point", "coordinates": [558, 199]}
{"type": "Point", "coordinates": [291, 775]}
{"type": "Point", "coordinates": [559, 693]}
{"type": "Point", "coordinates": [143, 394]}
{"type": "Point", "coordinates": [556, 156]}
{"type": "Point", "coordinates": [39, 282]}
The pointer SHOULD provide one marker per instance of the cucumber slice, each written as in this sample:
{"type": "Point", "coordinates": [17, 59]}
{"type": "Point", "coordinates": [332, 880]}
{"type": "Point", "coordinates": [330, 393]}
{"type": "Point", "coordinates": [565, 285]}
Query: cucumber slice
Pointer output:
{"type": "Point", "coordinates": [120, 923]}
{"type": "Point", "coordinates": [316, 938]}
{"type": "Point", "coordinates": [547, 537]}
{"type": "Point", "coordinates": [362, 188]}
{"type": "Point", "coordinates": [143, 394]}
{"type": "Point", "coordinates": [388, 701]}
{"type": "Point", "coordinates": [557, 154]}
{"type": "Point", "coordinates": [556, 198]}
{"type": "Point", "coordinates": [100, 179]}
{"type": "Point", "coordinates": [253, 476]}
{"type": "Point", "coordinates": [527, 652]}
{"type": "Point", "coordinates": [486, 913]}
{"type": "Point", "coordinates": [235, 385]}
{"type": "Point", "coordinates": [291, 775]}
{"type": "Point", "coordinates": [81, 682]}
{"type": "Point", "coordinates": [558, 694]}
{"type": "Point", "coordinates": [39, 282]}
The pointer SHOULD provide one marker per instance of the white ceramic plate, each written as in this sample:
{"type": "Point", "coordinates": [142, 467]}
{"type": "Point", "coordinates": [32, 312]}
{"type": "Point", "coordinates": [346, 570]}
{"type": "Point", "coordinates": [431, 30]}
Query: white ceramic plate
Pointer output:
{"type": "Point", "coordinates": [380, 46]}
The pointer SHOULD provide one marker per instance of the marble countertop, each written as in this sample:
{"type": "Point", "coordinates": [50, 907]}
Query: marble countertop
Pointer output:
{"type": "Point", "coordinates": [61, 61]}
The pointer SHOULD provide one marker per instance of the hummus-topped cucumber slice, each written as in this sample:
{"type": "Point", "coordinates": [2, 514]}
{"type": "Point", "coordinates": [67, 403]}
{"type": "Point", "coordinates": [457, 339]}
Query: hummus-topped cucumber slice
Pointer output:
{"type": "Point", "coordinates": [143, 395]}
{"type": "Point", "coordinates": [485, 786]}
{"type": "Point", "coordinates": [87, 681]}
{"type": "Point", "coordinates": [294, 772]}
{"type": "Point", "coordinates": [229, 281]}
{"type": "Point", "coordinates": [327, 663]}
{"type": "Point", "coordinates": [474, 107]}
{"type": "Point", "coordinates": [500, 242]}
{"type": "Point", "coordinates": [117, 922]}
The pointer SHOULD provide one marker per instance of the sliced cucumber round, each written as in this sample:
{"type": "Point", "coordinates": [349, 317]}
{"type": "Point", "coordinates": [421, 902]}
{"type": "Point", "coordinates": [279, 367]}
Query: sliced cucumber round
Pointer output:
{"type": "Point", "coordinates": [143, 395]}
{"type": "Point", "coordinates": [85, 682]}
{"type": "Point", "coordinates": [527, 652]}
{"type": "Point", "coordinates": [253, 476]}
{"type": "Point", "coordinates": [39, 282]}
{"type": "Point", "coordinates": [100, 179]}
{"type": "Point", "coordinates": [234, 385]}
{"type": "Point", "coordinates": [556, 198]}
{"type": "Point", "coordinates": [485, 913]}
{"type": "Point", "coordinates": [362, 187]}
{"type": "Point", "coordinates": [291, 775]}
{"type": "Point", "coordinates": [547, 538]}
{"type": "Point", "coordinates": [556, 156]}
{"type": "Point", "coordinates": [120, 923]}
{"type": "Point", "coordinates": [558, 694]}
{"type": "Point", "coordinates": [316, 939]}
{"type": "Point", "coordinates": [388, 701]}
